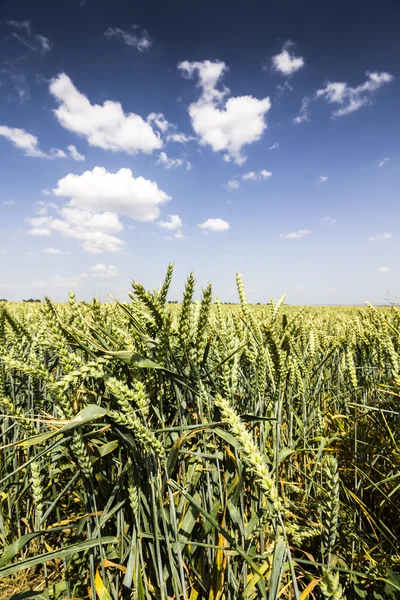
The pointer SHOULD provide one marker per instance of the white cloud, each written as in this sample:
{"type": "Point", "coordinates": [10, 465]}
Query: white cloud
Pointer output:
{"type": "Point", "coordinates": [120, 192]}
{"type": "Point", "coordinates": [253, 176]}
{"type": "Point", "coordinates": [233, 184]}
{"type": "Point", "coordinates": [379, 236]}
{"type": "Point", "coordinates": [304, 115]}
{"type": "Point", "coordinates": [174, 222]}
{"type": "Point", "coordinates": [383, 162]}
{"type": "Point", "coordinates": [172, 163]}
{"type": "Point", "coordinates": [46, 192]}
{"type": "Point", "coordinates": [323, 179]}
{"type": "Point", "coordinates": [159, 121]}
{"type": "Point", "coordinates": [59, 281]}
{"type": "Point", "coordinates": [28, 37]}
{"type": "Point", "coordinates": [384, 270]}
{"type": "Point", "coordinates": [95, 231]}
{"type": "Point", "coordinates": [75, 154]}
{"type": "Point", "coordinates": [54, 251]}
{"type": "Point", "coordinates": [276, 145]}
{"type": "Point", "coordinates": [8, 202]}
{"type": "Point", "coordinates": [104, 126]}
{"type": "Point", "coordinates": [179, 138]}
{"type": "Point", "coordinates": [225, 125]}
{"type": "Point", "coordinates": [293, 235]}
{"type": "Point", "coordinates": [179, 235]}
{"type": "Point", "coordinates": [215, 225]}
{"type": "Point", "coordinates": [287, 63]}
{"type": "Point", "coordinates": [29, 143]}
{"type": "Point", "coordinates": [140, 41]}
{"type": "Point", "coordinates": [329, 220]}
{"type": "Point", "coordinates": [101, 270]}
{"type": "Point", "coordinates": [95, 200]}
{"type": "Point", "coordinates": [351, 99]}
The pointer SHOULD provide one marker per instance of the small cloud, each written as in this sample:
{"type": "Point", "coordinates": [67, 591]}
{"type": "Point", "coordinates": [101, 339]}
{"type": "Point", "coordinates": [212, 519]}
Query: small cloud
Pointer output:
{"type": "Point", "coordinates": [294, 235]}
{"type": "Point", "coordinates": [287, 63]}
{"type": "Point", "coordinates": [28, 37]}
{"type": "Point", "coordinates": [383, 162]}
{"type": "Point", "coordinates": [55, 251]}
{"type": "Point", "coordinates": [215, 225]}
{"type": "Point", "coordinates": [159, 121]}
{"type": "Point", "coordinates": [29, 143]}
{"type": "Point", "coordinates": [179, 235]}
{"type": "Point", "coordinates": [233, 184]}
{"type": "Point", "coordinates": [174, 222]}
{"type": "Point", "coordinates": [179, 138]}
{"type": "Point", "coordinates": [253, 176]}
{"type": "Point", "coordinates": [102, 270]}
{"type": "Point", "coordinates": [140, 40]}
{"type": "Point", "coordinates": [323, 179]}
{"type": "Point", "coordinates": [172, 163]}
{"type": "Point", "coordinates": [276, 145]}
{"type": "Point", "coordinates": [379, 236]}
{"type": "Point", "coordinates": [75, 154]}
{"type": "Point", "coordinates": [329, 220]}
{"type": "Point", "coordinates": [384, 270]}
{"type": "Point", "coordinates": [304, 115]}
{"type": "Point", "coordinates": [351, 99]}
{"type": "Point", "coordinates": [46, 192]}
{"type": "Point", "coordinates": [281, 89]}
{"type": "Point", "coordinates": [8, 202]}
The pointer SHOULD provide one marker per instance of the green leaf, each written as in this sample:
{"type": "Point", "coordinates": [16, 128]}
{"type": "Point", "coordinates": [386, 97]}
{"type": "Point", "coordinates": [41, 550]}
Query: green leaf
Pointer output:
{"type": "Point", "coordinates": [62, 553]}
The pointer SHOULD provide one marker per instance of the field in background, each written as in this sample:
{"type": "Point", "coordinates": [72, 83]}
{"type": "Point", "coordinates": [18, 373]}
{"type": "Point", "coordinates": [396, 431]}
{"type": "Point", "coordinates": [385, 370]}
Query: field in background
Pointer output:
{"type": "Point", "coordinates": [200, 450]}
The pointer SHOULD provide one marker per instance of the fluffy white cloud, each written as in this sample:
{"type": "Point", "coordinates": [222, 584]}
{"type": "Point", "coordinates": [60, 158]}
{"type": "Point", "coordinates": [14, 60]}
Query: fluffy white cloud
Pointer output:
{"type": "Point", "coordinates": [215, 225]}
{"type": "Point", "coordinates": [225, 125]}
{"type": "Point", "coordinates": [233, 184]}
{"type": "Point", "coordinates": [54, 251]}
{"type": "Point", "coordinates": [380, 236]}
{"type": "Point", "coordinates": [105, 126]}
{"type": "Point", "coordinates": [28, 143]}
{"type": "Point", "coordinates": [120, 192]}
{"type": "Point", "coordinates": [75, 154]}
{"type": "Point", "coordinates": [287, 63]}
{"type": "Point", "coordinates": [179, 138]}
{"type": "Point", "coordinates": [28, 37]}
{"type": "Point", "coordinates": [253, 176]}
{"type": "Point", "coordinates": [159, 121]}
{"type": "Point", "coordinates": [304, 111]}
{"type": "Point", "coordinates": [276, 145]}
{"type": "Point", "coordinates": [294, 235]}
{"type": "Point", "coordinates": [93, 230]}
{"type": "Point", "coordinates": [141, 41]}
{"type": "Point", "coordinates": [95, 200]}
{"type": "Point", "coordinates": [352, 98]}
{"type": "Point", "coordinates": [383, 162]}
{"type": "Point", "coordinates": [101, 270]}
{"type": "Point", "coordinates": [174, 222]}
{"type": "Point", "coordinates": [172, 163]}
{"type": "Point", "coordinates": [323, 179]}
{"type": "Point", "coordinates": [329, 220]}
{"type": "Point", "coordinates": [384, 270]}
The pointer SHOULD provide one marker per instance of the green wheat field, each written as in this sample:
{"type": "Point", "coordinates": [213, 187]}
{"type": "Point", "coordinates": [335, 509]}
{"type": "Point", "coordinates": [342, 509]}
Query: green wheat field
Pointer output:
{"type": "Point", "coordinates": [199, 451]}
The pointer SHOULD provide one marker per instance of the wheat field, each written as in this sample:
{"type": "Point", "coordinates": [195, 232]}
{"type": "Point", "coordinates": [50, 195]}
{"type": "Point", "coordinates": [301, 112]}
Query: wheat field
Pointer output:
{"type": "Point", "coordinates": [199, 451]}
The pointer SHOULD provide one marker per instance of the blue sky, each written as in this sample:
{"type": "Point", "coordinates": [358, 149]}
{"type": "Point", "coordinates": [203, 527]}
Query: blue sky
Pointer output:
{"type": "Point", "coordinates": [221, 136]}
